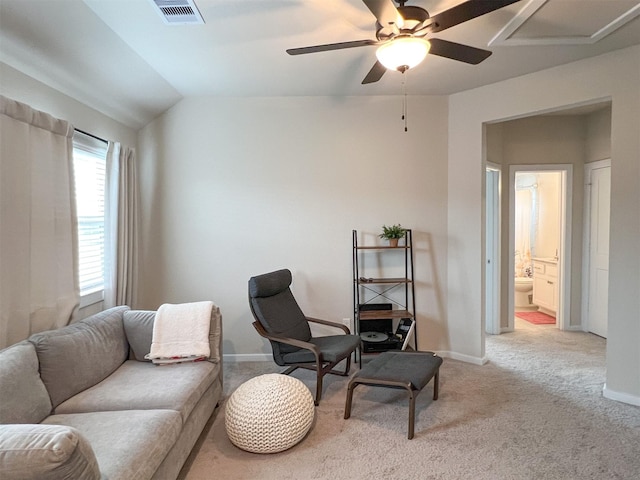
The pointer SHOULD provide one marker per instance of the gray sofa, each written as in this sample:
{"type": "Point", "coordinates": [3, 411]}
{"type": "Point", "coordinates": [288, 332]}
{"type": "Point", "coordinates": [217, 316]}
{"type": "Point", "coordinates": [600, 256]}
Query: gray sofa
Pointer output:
{"type": "Point", "coordinates": [82, 402]}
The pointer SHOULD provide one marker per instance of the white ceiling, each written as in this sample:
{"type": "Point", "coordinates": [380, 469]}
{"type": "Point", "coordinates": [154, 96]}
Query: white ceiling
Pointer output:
{"type": "Point", "coordinates": [119, 57]}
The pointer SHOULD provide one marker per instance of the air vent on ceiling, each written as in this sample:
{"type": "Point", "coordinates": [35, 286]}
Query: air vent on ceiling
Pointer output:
{"type": "Point", "coordinates": [178, 12]}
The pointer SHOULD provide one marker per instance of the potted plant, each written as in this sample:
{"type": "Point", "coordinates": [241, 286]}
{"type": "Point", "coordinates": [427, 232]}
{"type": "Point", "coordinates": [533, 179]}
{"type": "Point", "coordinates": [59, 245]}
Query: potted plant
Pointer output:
{"type": "Point", "coordinates": [393, 234]}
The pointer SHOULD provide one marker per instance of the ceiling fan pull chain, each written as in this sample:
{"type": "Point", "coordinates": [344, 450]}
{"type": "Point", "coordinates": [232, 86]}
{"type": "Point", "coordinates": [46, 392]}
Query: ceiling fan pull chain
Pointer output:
{"type": "Point", "coordinates": [404, 100]}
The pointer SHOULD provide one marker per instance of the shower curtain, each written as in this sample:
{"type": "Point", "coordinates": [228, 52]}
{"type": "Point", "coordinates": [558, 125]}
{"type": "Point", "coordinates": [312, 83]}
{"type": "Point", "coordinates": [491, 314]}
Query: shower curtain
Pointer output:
{"type": "Point", "coordinates": [523, 232]}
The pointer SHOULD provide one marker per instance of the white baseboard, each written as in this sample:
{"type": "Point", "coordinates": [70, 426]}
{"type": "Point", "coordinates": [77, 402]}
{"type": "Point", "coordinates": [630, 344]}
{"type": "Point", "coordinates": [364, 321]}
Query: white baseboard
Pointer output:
{"type": "Point", "coordinates": [463, 358]}
{"type": "Point", "coordinates": [620, 397]}
{"type": "Point", "coordinates": [267, 357]}
{"type": "Point", "coordinates": [247, 357]}
{"type": "Point", "coordinates": [575, 328]}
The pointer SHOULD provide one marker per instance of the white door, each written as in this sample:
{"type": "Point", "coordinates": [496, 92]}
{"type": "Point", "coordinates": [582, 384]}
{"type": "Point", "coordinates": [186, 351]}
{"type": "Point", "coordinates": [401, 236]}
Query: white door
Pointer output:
{"type": "Point", "coordinates": [599, 251]}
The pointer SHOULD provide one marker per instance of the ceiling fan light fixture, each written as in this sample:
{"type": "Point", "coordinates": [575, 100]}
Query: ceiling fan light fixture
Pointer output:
{"type": "Point", "coordinates": [403, 53]}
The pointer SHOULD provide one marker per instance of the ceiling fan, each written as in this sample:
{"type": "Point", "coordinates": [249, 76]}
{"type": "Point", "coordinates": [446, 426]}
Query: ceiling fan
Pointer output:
{"type": "Point", "coordinates": [401, 32]}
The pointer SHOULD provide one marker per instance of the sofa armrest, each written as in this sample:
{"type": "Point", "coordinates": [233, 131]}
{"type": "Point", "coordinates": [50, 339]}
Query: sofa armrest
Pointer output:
{"type": "Point", "coordinates": [215, 336]}
{"type": "Point", "coordinates": [46, 452]}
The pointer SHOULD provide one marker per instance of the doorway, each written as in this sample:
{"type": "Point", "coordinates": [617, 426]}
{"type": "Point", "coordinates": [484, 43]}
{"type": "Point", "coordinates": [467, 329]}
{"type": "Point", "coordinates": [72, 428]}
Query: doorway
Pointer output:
{"type": "Point", "coordinates": [550, 141]}
{"type": "Point", "coordinates": [537, 229]}
{"type": "Point", "coordinates": [539, 241]}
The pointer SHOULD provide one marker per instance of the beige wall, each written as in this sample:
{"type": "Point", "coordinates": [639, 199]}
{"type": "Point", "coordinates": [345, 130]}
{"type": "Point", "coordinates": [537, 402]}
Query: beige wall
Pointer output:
{"type": "Point", "coordinates": [598, 136]}
{"type": "Point", "coordinates": [238, 187]}
{"type": "Point", "coordinates": [21, 87]}
{"type": "Point", "coordinates": [614, 76]}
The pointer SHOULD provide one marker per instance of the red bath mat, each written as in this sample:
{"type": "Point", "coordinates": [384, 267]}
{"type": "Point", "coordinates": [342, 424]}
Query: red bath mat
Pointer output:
{"type": "Point", "coordinates": [537, 318]}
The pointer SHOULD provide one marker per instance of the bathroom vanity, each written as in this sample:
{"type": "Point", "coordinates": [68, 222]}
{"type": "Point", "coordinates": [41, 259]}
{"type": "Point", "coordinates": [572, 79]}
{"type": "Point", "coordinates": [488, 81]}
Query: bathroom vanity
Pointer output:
{"type": "Point", "coordinates": [545, 284]}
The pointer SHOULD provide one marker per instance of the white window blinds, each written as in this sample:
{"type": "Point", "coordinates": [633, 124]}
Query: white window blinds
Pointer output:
{"type": "Point", "coordinates": [89, 162]}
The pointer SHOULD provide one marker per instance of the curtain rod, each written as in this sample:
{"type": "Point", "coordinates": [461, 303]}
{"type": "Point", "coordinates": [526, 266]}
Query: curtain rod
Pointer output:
{"type": "Point", "coordinates": [90, 135]}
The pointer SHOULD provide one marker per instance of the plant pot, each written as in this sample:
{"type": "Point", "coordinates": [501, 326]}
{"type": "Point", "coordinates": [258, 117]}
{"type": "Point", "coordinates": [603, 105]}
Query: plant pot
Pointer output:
{"type": "Point", "coordinates": [393, 242]}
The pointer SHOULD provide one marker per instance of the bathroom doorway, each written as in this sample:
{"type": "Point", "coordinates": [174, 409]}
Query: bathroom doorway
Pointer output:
{"type": "Point", "coordinates": [539, 235]}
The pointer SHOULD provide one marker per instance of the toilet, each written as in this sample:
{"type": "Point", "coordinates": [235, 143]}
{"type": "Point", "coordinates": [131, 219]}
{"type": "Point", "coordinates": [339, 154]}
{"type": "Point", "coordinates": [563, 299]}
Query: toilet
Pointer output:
{"type": "Point", "coordinates": [523, 292]}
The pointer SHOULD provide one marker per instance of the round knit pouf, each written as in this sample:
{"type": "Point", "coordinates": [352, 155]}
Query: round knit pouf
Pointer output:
{"type": "Point", "coordinates": [269, 413]}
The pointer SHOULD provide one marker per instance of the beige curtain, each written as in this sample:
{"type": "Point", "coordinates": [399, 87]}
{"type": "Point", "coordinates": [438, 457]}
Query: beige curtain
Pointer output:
{"type": "Point", "coordinates": [38, 273]}
{"type": "Point", "coordinates": [121, 244]}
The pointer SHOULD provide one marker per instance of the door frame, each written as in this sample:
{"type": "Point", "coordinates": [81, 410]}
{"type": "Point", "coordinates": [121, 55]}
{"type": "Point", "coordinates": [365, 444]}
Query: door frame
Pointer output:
{"type": "Point", "coordinates": [564, 252]}
{"type": "Point", "coordinates": [586, 238]}
{"type": "Point", "coordinates": [493, 249]}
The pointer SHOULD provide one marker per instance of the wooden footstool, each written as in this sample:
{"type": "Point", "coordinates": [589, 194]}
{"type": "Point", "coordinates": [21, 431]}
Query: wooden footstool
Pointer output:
{"type": "Point", "coordinates": [409, 370]}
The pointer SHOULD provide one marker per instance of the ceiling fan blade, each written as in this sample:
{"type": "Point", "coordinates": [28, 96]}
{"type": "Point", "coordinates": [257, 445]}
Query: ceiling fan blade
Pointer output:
{"type": "Point", "coordinates": [457, 51]}
{"type": "Point", "coordinates": [386, 13]}
{"type": "Point", "coordinates": [466, 11]}
{"type": "Point", "coordinates": [331, 46]}
{"type": "Point", "coordinates": [375, 73]}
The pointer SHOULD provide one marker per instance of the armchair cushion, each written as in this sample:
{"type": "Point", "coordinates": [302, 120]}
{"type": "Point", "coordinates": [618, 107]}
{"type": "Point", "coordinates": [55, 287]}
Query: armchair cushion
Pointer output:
{"type": "Point", "coordinates": [269, 284]}
{"type": "Point", "coordinates": [277, 309]}
{"type": "Point", "coordinates": [280, 320]}
{"type": "Point", "coordinates": [332, 347]}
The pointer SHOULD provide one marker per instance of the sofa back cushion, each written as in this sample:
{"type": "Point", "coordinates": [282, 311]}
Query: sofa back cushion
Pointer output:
{"type": "Point", "coordinates": [78, 356]}
{"type": "Point", "coordinates": [138, 326]}
{"type": "Point", "coordinates": [23, 396]}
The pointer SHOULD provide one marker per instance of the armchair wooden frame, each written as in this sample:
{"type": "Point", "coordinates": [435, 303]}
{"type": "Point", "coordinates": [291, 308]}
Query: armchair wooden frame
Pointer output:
{"type": "Point", "coordinates": [321, 366]}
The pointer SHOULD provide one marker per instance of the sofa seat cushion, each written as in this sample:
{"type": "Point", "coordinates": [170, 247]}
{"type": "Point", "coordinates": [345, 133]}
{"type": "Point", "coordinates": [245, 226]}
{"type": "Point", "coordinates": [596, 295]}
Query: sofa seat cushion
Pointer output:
{"type": "Point", "coordinates": [46, 452]}
{"type": "Point", "coordinates": [23, 396]}
{"type": "Point", "coordinates": [127, 444]}
{"type": "Point", "coordinates": [142, 385]}
{"type": "Point", "coordinates": [75, 357]}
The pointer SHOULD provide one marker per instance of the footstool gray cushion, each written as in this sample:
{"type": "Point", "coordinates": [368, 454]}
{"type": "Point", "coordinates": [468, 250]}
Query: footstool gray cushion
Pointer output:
{"type": "Point", "coordinates": [409, 370]}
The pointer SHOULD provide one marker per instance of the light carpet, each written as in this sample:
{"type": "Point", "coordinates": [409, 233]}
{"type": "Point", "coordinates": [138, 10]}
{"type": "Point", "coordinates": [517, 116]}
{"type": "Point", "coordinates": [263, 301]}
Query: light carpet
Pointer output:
{"type": "Point", "coordinates": [535, 411]}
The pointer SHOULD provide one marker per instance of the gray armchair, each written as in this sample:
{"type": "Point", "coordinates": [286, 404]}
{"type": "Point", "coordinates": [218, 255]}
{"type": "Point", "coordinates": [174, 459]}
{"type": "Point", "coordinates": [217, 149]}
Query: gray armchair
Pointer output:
{"type": "Point", "coordinates": [280, 320]}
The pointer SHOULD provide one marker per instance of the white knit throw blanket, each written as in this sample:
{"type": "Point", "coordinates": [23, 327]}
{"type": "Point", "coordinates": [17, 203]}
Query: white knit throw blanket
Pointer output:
{"type": "Point", "coordinates": [181, 333]}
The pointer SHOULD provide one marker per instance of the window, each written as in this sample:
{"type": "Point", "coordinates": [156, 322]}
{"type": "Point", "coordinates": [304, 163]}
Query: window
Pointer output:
{"type": "Point", "coordinates": [89, 165]}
